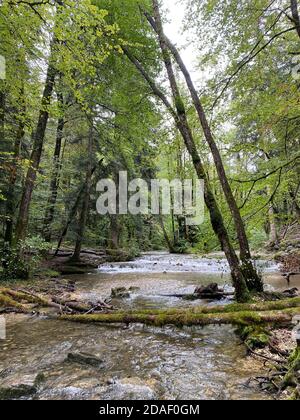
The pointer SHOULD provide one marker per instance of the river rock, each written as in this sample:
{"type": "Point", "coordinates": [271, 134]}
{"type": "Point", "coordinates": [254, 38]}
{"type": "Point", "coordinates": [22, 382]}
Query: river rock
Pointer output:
{"type": "Point", "coordinates": [134, 289]}
{"type": "Point", "coordinates": [131, 389]}
{"type": "Point", "coordinates": [120, 293]}
{"type": "Point", "coordinates": [211, 291]}
{"type": "Point", "coordinates": [16, 392]}
{"type": "Point", "coordinates": [85, 359]}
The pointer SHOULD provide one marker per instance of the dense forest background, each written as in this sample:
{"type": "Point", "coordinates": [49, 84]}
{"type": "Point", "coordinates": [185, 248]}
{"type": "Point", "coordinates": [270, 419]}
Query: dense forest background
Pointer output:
{"type": "Point", "coordinates": [94, 87]}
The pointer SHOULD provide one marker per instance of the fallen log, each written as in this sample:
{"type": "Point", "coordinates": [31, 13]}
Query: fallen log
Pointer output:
{"type": "Point", "coordinates": [238, 314]}
{"type": "Point", "coordinates": [189, 318]}
{"type": "Point", "coordinates": [289, 275]}
{"type": "Point", "coordinates": [10, 304]}
{"type": "Point", "coordinates": [234, 307]}
{"type": "Point", "coordinates": [14, 299]}
{"type": "Point", "coordinates": [24, 296]}
{"type": "Point", "coordinates": [203, 296]}
{"type": "Point", "coordinates": [83, 307]}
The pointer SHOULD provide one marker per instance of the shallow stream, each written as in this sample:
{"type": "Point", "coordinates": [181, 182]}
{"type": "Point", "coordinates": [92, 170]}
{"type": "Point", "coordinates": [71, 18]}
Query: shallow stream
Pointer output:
{"type": "Point", "coordinates": [139, 362]}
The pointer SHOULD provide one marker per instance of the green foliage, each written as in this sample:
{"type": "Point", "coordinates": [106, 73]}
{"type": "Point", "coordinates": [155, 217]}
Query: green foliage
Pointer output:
{"type": "Point", "coordinates": [255, 337]}
{"type": "Point", "coordinates": [258, 238]}
{"type": "Point", "coordinates": [255, 122]}
{"type": "Point", "coordinates": [20, 262]}
{"type": "Point", "coordinates": [181, 246]}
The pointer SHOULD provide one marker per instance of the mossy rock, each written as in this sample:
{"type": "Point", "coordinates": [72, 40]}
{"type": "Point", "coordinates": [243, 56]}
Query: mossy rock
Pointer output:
{"type": "Point", "coordinates": [48, 273]}
{"type": "Point", "coordinates": [292, 378]}
{"type": "Point", "coordinates": [120, 293]}
{"type": "Point", "coordinates": [120, 255]}
{"type": "Point", "coordinates": [72, 270]}
{"type": "Point", "coordinates": [85, 359]}
{"type": "Point", "coordinates": [40, 378]}
{"type": "Point", "coordinates": [8, 302]}
{"type": "Point", "coordinates": [294, 360]}
{"type": "Point", "coordinates": [16, 392]}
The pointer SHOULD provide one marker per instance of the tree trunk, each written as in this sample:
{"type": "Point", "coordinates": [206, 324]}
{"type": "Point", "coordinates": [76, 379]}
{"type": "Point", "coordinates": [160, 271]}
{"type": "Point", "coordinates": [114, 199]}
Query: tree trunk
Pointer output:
{"type": "Point", "coordinates": [11, 199]}
{"type": "Point", "coordinates": [272, 223]}
{"type": "Point", "coordinates": [190, 318]}
{"type": "Point", "coordinates": [85, 200]}
{"type": "Point", "coordinates": [73, 212]}
{"type": "Point", "coordinates": [295, 15]}
{"type": "Point", "coordinates": [38, 142]}
{"type": "Point", "coordinates": [54, 184]}
{"type": "Point", "coordinates": [166, 236]}
{"type": "Point", "coordinates": [2, 112]}
{"type": "Point", "coordinates": [218, 225]}
{"type": "Point", "coordinates": [115, 232]}
{"type": "Point", "coordinates": [215, 214]}
{"type": "Point", "coordinates": [295, 206]}
{"type": "Point", "coordinates": [254, 281]}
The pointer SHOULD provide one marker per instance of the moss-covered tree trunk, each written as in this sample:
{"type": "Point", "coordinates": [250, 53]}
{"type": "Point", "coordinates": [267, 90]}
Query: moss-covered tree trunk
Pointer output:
{"type": "Point", "coordinates": [242, 292]}
{"type": "Point", "coordinates": [85, 200]}
{"type": "Point", "coordinates": [217, 221]}
{"type": "Point", "coordinates": [54, 183]}
{"type": "Point", "coordinates": [35, 159]}
{"type": "Point", "coordinates": [295, 15]}
{"type": "Point", "coordinates": [189, 318]}
{"type": "Point", "coordinates": [254, 281]}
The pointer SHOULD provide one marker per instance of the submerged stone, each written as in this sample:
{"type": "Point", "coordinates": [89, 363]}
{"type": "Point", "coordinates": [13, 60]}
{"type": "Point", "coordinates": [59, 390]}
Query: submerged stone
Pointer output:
{"type": "Point", "coordinates": [85, 359]}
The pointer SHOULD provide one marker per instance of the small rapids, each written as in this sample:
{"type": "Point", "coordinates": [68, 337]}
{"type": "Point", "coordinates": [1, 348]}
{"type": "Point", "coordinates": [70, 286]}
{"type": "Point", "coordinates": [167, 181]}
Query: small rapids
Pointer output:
{"type": "Point", "coordinates": [161, 262]}
{"type": "Point", "coordinates": [139, 363]}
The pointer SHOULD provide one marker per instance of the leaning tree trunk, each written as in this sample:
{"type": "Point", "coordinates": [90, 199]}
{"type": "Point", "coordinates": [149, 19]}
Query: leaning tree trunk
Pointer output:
{"type": "Point", "coordinates": [54, 183]}
{"type": "Point", "coordinates": [38, 142]}
{"type": "Point", "coordinates": [295, 15]}
{"type": "Point", "coordinates": [216, 217]}
{"type": "Point", "coordinates": [85, 201]}
{"type": "Point", "coordinates": [254, 281]}
{"type": "Point", "coordinates": [166, 236]}
{"type": "Point", "coordinates": [242, 292]}
{"type": "Point", "coordinates": [73, 211]}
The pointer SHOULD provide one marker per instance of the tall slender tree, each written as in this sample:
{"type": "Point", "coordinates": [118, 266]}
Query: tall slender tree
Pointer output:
{"type": "Point", "coordinates": [254, 281]}
{"type": "Point", "coordinates": [180, 117]}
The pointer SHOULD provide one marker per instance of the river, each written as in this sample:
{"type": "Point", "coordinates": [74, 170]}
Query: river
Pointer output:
{"type": "Point", "coordinates": [138, 362]}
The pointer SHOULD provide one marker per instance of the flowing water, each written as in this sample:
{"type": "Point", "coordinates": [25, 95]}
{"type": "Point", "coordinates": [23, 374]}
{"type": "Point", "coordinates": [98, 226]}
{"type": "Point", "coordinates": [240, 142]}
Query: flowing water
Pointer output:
{"type": "Point", "coordinates": [139, 362]}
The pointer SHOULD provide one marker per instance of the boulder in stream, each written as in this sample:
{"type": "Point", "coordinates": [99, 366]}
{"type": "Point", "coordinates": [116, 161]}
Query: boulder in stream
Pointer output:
{"type": "Point", "coordinates": [85, 359]}
{"type": "Point", "coordinates": [30, 386]}
{"type": "Point", "coordinates": [120, 293]}
{"type": "Point", "coordinates": [132, 389]}
{"type": "Point", "coordinates": [16, 392]}
{"type": "Point", "coordinates": [211, 291]}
